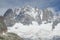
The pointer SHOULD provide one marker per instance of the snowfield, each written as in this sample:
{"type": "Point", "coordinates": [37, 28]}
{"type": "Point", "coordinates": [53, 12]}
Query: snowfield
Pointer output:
{"type": "Point", "coordinates": [35, 31]}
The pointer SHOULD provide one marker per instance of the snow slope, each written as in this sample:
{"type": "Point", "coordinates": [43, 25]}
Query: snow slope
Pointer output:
{"type": "Point", "coordinates": [34, 31]}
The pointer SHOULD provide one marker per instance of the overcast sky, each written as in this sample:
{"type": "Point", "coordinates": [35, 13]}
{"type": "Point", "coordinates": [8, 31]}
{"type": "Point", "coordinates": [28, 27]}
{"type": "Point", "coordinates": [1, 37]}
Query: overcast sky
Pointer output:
{"type": "Point", "coordinates": [38, 3]}
{"type": "Point", "coordinates": [35, 3]}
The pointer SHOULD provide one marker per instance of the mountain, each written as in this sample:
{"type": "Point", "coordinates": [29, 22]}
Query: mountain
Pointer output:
{"type": "Point", "coordinates": [32, 23]}
{"type": "Point", "coordinates": [27, 14]}
{"type": "Point", "coordinates": [24, 15]}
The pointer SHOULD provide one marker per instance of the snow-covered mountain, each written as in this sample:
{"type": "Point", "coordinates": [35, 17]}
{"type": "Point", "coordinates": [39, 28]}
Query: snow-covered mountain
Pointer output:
{"type": "Point", "coordinates": [33, 23]}
{"type": "Point", "coordinates": [27, 14]}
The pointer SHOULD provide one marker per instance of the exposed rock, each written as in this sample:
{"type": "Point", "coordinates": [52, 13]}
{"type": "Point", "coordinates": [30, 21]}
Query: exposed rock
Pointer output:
{"type": "Point", "coordinates": [24, 19]}
{"type": "Point", "coordinates": [38, 17]}
{"type": "Point", "coordinates": [56, 38]}
{"type": "Point", "coordinates": [10, 36]}
{"type": "Point", "coordinates": [47, 15]}
{"type": "Point", "coordinates": [55, 23]}
{"type": "Point", "coordinates": [9, 17]}
{"type": "Point", "coordinates": [3, 27]}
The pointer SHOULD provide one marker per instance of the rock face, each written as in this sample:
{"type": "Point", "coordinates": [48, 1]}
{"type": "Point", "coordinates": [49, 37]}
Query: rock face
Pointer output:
{"type": "Point", "coordinates": [10, 36]}
{"type": "Point", "coordinates": [56, 38]}
{"type": "Point", "coordinates": [25, 19]}
{"type": "Point", "coordinates": [28, 14]}
{"type": "Point", "coordinates": [55, 23]}
{"type": "Point", "coordinates": [38, 17]}
{"type": "Point", "coordinates": [3, 27]}
{"type": "Point", "coordinates": [47, 15]}
{"type": "Point", "coordinates": [9, 17]}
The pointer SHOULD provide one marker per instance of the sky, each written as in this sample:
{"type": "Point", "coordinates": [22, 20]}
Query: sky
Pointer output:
{"type": "Point", "coordinates": [34, 3]}
{"type": "Point", "coordinates": [37, 3]}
